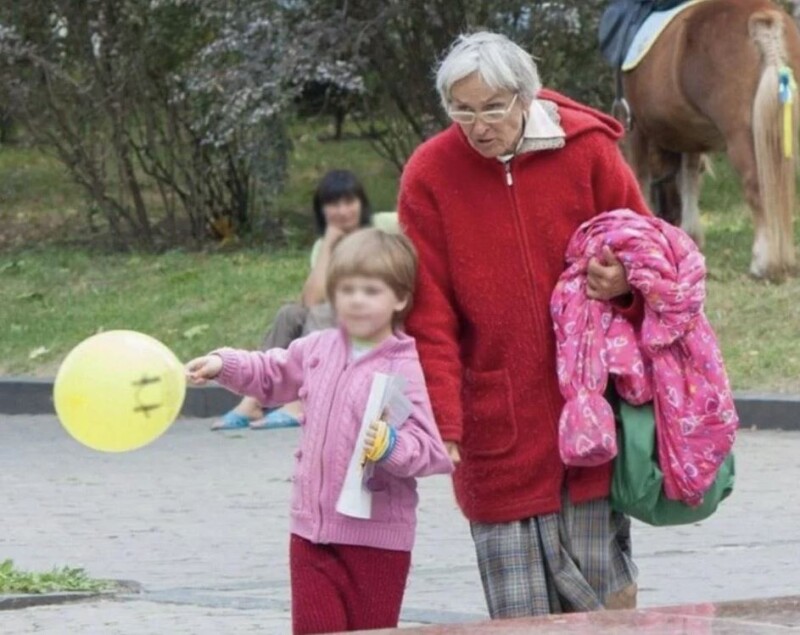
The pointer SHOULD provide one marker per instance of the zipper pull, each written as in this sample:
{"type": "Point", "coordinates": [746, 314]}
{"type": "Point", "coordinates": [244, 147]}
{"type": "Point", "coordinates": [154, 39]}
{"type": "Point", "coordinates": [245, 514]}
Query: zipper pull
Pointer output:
{"type": "Point", "coordinates": [509, 180]}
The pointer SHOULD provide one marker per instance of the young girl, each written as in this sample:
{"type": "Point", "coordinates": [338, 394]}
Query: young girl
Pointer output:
{"type": "Point", "coordinates": [348, 573]}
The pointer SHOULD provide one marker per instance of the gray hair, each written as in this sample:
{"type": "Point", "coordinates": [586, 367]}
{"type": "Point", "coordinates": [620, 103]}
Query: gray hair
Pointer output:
{"type": "Point", "coordinates": [501, 63]}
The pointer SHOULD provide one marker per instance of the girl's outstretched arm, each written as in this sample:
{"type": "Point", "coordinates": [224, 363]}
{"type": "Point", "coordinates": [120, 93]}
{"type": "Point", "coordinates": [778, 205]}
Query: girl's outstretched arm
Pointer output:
{"type": "Point", "coordinates": [272, 377]}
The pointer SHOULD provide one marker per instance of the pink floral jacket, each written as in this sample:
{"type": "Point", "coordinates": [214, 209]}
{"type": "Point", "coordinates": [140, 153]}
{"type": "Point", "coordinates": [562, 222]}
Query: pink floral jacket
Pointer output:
{"type": "Point", "coordinates": [673, 359]}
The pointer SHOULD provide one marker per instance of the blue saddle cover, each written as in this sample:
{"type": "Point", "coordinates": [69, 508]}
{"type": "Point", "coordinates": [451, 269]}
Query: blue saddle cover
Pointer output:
{"type": "Point", "coordinates": [620, 22]}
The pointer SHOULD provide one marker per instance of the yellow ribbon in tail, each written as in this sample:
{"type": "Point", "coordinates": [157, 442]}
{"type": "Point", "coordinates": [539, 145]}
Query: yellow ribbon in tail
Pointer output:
{"type": "Point", "coordinates": [787, 88]}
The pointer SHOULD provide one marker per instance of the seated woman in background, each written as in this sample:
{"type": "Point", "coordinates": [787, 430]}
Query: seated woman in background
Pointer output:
{"type": "Point", "coordinates": [340, 206]}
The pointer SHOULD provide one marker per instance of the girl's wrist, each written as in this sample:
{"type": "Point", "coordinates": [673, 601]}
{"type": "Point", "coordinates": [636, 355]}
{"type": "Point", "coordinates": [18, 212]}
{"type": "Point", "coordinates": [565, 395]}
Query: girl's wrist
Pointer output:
{"type": "Point", "coordinates": [383, 443]}
{"type": "Point", "coordinates": [219, 365]}
{"type": "Point", "coordinates": [390, 446]}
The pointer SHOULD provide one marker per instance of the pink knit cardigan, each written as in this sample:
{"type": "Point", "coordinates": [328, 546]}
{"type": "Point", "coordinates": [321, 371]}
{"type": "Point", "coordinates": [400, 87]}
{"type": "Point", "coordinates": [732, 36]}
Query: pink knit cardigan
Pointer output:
{"type": "Point", "coordinates": [673, 359]}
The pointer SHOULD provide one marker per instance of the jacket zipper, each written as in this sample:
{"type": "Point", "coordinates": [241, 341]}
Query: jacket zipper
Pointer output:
{"type": "Point", "coordinates": [520, 231]}
{"type": "Point", "coordinates": [336, 393]}
{"type": "Point", "coordinates": [526, 254]}
{"type": "Point", "coordinates": [348, 367]}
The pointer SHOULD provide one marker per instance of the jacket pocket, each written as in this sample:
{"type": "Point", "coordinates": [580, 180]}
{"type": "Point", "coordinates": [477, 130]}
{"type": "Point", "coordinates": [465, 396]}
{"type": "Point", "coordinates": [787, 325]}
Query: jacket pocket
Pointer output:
{"type": "Point", "coordinates": [393, 500]}
{"type": "Point", "coordinates": [490, 425]}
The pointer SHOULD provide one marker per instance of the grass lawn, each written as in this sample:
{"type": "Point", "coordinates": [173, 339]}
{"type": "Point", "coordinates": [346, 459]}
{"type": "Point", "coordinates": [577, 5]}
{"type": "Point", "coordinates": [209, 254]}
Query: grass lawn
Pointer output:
{"type": "Point", "coordinates": [52, 297]}
{"type": "Point", "coordinates": [311, 158]}
{"type": "Point", "coordinates": [758, 323]}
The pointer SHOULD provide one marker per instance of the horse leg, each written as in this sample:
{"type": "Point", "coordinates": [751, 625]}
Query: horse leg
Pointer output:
{"type": "Point", "coordinates": [742, 155]}
{"type": "Point", "coordinates": [689, 177]}
{"type": "Point", "coordinates": [665, 191]}
{"type": "Point", "coordinates": [636, 149]}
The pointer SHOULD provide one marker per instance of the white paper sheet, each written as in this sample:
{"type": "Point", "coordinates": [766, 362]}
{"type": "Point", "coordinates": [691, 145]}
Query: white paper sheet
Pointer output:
{"type": "Point", "coordinates": [386, 400]}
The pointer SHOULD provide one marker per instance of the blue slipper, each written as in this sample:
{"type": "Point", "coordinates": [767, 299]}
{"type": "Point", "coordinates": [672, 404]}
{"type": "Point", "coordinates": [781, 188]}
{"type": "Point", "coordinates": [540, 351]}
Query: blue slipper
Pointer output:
{"type": "Point", "coordinates": [275, 419]}
{"type": "Point", "coordinates": [231, 420]}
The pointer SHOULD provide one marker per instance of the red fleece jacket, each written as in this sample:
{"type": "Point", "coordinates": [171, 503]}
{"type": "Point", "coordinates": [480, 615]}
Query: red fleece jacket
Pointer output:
{"type": "Point", "coordinates": [490, 255]}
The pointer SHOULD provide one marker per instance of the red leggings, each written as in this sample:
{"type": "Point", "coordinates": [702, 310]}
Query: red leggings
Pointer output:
{"type": "Point", "coordinates": [345, 588]}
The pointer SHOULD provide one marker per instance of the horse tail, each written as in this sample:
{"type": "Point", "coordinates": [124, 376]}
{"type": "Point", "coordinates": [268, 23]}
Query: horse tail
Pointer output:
{"type": "Point", "coordinates": [775, 127]}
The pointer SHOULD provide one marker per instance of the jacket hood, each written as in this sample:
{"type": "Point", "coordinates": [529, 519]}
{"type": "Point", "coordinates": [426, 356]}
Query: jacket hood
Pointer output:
{"type": "Point", "coordinates": [578, 119]}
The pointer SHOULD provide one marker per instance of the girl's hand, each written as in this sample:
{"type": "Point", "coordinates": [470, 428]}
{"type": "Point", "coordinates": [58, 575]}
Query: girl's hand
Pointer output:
{"type": "Point", "coordinates": [452, 452]}
{"type": "Point", "coordinates": [372, 435]}
{"type": "Point", "coordinates": [605, 277]}
{"type": "Point", "coordinates": [201, 369]}
{"type": "Point", "coordinates": [378, 442]}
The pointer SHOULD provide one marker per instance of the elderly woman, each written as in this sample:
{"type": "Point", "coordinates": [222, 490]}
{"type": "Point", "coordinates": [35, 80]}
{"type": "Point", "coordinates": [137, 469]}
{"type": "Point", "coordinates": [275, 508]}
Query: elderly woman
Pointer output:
{"type": "Point", "coordinates": [491, 204]}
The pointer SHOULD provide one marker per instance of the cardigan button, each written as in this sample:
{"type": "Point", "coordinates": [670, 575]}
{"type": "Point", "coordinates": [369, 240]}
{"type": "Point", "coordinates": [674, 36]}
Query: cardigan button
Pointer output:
{"type": "Point", "coordinates": [314, 362]}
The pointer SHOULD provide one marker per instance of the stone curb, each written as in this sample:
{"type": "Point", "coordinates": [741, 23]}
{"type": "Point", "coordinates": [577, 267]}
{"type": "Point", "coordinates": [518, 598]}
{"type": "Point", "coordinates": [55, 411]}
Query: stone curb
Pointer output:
{"type": "Point", "coordinates": [15, 601]}
{"type": "Point", "coordinates": [34, 396]}
{"type": "Point", "coordinates": [9, 602]}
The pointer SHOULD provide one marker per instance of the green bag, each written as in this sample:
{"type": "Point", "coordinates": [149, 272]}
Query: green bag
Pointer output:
{"type": "Point", "coordinates": [637, 483]}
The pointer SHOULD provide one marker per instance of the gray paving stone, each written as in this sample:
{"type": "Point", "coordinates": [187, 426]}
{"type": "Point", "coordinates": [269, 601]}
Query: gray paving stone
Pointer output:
{"type": "Point", "coordinates": [200, 519]}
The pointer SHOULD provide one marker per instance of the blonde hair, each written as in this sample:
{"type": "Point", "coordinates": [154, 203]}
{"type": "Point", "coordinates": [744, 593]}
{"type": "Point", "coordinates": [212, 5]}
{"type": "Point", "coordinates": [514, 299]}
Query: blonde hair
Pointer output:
{"type": "Point", "coordinates": [374, 253]}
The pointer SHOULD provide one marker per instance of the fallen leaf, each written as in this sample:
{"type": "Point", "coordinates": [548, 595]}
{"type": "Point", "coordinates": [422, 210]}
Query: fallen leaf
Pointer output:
{"type": "Point", "coordinates": [38, 352]}
{"type": "Point", "coordinates": [195, 331]}
{"type": "Point", "coordinates": [13, 265]}
{"type": "Point", "coordinates": [32, 295]}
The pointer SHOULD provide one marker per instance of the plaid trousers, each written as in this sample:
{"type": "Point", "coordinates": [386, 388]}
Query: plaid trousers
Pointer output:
{"type": "Point", "coordinates": [572, 560]}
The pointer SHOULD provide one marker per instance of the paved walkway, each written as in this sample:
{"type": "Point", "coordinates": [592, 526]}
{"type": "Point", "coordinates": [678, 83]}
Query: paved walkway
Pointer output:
{"type": "Point", "coordinates": [200, 520]}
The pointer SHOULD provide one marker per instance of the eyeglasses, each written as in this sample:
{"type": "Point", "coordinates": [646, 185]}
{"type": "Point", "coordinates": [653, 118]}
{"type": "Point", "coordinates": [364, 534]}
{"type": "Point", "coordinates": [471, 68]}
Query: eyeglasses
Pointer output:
{"type": "Point", "coordinates": [468, 117]}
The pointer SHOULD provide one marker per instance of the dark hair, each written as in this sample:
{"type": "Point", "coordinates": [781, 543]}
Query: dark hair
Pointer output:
{"type": "Point", "coordinates": [334, 186]}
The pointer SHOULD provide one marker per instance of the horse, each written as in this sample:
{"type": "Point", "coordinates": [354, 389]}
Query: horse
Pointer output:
{"type": "Point", "coordinates": [717, 78]}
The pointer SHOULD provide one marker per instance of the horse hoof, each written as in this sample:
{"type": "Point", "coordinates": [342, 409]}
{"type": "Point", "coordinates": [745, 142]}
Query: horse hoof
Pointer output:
{"type": "Point", "coordinates": [770, 274]}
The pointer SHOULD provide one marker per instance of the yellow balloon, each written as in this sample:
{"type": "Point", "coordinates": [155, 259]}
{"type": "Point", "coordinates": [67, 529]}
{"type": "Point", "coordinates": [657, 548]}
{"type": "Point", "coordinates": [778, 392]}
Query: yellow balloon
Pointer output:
{"type": "Point", "coordinates": [118, 391]}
